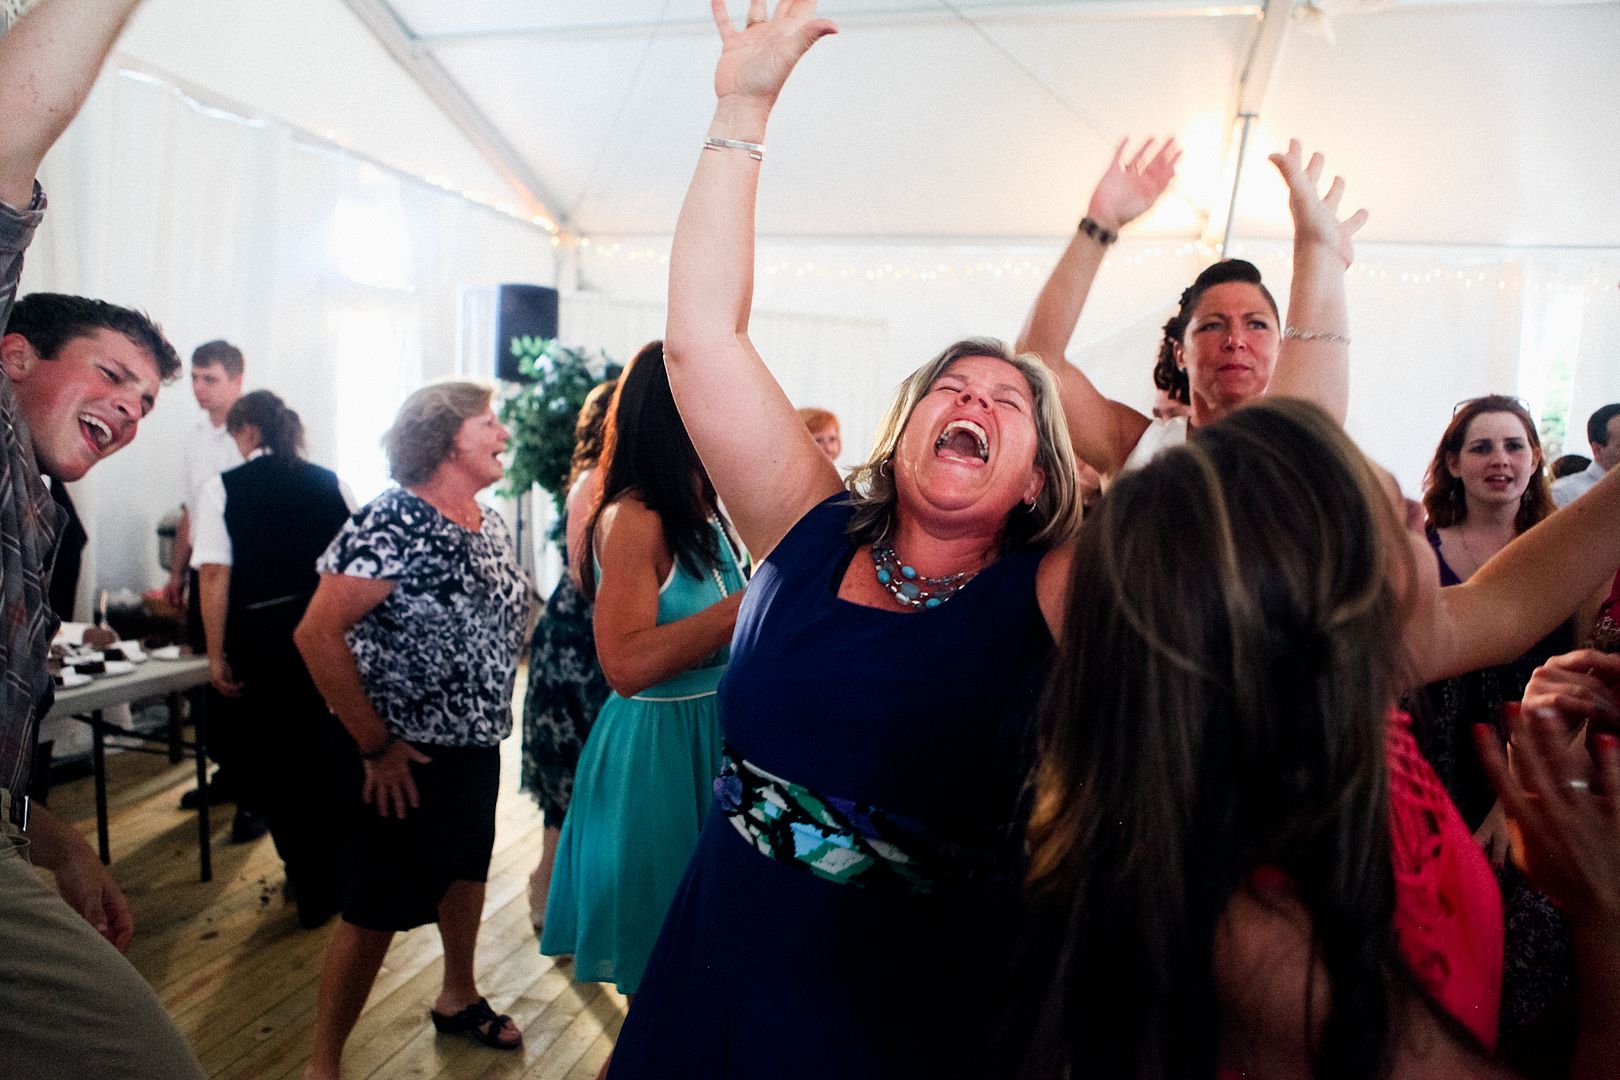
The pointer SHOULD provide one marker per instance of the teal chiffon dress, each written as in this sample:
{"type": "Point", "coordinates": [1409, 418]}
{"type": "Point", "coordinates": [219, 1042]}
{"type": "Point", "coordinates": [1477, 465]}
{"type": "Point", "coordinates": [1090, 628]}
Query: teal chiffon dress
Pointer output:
{"type": "Point", "coordinates": [641, 791]}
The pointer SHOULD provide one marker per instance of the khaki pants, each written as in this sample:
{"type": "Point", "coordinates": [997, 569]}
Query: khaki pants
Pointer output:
{"type": "Point", "coordinates": [71, 1007]}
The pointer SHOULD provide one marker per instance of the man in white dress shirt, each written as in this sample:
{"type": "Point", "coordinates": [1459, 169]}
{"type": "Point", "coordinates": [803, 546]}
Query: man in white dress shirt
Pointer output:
{"type": "Point", "coordinates": [1603, 432]}
{"type": "Point", "coordinates": [216, 383]}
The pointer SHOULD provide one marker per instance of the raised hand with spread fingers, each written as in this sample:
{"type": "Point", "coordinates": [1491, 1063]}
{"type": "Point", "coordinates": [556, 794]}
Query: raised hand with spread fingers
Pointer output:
{"type": "Point", "coordinates": [756, 60]}
{"type": "Point", "coordinates": [1128, 189]}
{"type": "Point", "coordinates": [1314, 360]}
{"type": "Point", "coordinates": [1316, 216]}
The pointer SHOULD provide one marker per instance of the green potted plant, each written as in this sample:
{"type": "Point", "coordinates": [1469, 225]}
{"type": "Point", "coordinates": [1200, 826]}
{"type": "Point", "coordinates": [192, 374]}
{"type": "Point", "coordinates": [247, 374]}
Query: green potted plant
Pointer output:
{"type": "Point", "coordinates": [541, 413]}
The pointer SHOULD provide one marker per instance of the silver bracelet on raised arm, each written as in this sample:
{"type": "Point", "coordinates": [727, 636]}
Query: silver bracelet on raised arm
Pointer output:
{"type": "Point", "coordinates": [1316, 335]}
{"type": "Point", "coordinates": [756, 150]}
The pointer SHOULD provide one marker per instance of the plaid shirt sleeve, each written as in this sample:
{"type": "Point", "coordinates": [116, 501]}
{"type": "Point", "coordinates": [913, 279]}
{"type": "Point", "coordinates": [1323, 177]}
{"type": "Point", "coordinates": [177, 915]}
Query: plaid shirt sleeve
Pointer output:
{"type": "Point", "coordinates": [29, 525]}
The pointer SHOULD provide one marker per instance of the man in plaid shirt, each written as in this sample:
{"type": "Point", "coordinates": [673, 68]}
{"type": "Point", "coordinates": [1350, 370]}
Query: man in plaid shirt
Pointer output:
{"type": "Point", "coordinates": [76, 378]}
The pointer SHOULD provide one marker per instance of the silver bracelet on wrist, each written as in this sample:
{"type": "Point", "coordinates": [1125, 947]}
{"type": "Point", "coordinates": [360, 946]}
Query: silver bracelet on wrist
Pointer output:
{"type": "Point", "coordinates": [756, 150]}
{"type": "Point", "coordinates": [1316, 335]}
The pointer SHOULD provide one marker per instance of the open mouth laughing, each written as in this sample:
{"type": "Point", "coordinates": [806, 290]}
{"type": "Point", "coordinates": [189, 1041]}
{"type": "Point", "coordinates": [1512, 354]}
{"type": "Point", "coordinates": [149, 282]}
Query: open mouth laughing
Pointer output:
{"type": "Point", "coordinates": [963, 440]}
{"type": "Point", "coordinates": [96, 432]}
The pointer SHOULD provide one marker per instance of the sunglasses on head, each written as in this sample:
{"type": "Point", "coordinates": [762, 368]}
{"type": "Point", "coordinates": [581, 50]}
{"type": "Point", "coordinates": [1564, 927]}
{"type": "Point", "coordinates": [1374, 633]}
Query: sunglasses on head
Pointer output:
{"type": "Point", "coordinates": [1519, 401]}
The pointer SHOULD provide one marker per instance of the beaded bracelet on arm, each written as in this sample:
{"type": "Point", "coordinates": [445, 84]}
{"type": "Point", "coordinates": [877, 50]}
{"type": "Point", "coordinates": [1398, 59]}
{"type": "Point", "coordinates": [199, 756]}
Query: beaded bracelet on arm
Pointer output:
{"type": "Point", "coordinates": [1097, 232]}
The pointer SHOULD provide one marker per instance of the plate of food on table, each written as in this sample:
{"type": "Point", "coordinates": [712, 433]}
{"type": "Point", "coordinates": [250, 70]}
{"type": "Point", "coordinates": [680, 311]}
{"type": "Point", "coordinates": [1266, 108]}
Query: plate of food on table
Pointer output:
{"type": "Point", "coordinates": [84, 651]}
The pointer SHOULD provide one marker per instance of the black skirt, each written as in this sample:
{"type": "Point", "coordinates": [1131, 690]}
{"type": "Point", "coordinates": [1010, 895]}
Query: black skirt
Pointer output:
{"type": "Point", "coordinates": [401, 867]}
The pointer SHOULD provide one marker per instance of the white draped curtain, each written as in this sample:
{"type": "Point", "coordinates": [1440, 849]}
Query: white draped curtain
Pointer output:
{"type": "Point", "coordinates": [819, 360]}
{"type": "Point", "coordinates": [1430, 324]}
{"type": "Point", "coordinates": [338, 279]}
{"type": "Point", "coordinates": [341, 280]}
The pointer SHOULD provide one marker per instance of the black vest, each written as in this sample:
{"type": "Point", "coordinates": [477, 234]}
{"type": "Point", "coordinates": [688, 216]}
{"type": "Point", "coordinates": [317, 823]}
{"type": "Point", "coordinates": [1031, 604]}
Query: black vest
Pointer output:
{"type": "Point", "coordinates": [280, 514]}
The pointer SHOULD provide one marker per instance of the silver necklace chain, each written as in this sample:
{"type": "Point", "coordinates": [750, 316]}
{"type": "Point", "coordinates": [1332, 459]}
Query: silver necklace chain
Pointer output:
{"type": "Point", "coordinates": [1462, 534]}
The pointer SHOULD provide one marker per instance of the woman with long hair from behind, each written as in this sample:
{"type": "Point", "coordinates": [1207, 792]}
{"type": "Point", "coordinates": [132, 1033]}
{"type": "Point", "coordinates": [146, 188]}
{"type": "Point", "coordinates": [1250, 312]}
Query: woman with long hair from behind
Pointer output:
{"type": "Point", "coordinates": [666, 580]}
{"type": "Point", "coordinates": [1249, 867]}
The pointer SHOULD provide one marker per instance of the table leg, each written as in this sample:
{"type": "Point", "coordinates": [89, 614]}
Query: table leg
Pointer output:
{"type": "Point", "coordinates": [98, 755]}
{"type": "Point", "coordinates": [199, 731]}
{"type": "Point", "coordinates": [176, 744]}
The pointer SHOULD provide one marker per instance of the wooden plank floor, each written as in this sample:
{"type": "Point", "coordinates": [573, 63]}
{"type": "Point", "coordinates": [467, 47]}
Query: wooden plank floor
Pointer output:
{"type": "Point", "coordinates": [239, 976]}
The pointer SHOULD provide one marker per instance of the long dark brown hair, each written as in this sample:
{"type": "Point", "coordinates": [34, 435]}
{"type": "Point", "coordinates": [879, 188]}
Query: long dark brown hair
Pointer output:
{"type": "Point", "coordinates": [591, 428]}
{"type": "Point", "coordinates": [280, 430]}
{"type": "Point", "coordinates": [1444, 500]}
{"type": "Point", "coordinates": [647, 452]}
{"type": "Point", "coordinates": [1218, 704]}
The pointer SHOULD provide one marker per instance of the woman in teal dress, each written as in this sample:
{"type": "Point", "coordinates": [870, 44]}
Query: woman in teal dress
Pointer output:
{"type": "Point", "coordinates": [667, 586]}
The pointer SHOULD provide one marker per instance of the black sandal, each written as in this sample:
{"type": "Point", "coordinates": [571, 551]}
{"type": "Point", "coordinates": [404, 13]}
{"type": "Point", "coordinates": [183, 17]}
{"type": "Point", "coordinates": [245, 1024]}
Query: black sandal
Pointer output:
{"type": "Point", "coordinates": [477, 1021]}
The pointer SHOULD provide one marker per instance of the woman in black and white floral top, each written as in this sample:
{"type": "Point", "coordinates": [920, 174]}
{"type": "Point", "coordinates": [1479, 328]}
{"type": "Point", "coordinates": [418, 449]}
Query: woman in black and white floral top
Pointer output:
{"type": "Point", "coordinates": [413, 638]}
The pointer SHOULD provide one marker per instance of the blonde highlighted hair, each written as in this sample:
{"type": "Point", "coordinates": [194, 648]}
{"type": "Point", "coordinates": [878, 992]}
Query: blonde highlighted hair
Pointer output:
{"type": "Point", "coordinates": [1055, 517]}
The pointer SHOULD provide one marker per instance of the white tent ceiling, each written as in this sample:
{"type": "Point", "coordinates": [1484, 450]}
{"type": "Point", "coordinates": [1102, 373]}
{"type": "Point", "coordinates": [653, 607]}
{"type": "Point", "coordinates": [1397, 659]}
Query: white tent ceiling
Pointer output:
{"type": "Point", "coordinates": [1460, 123]}
{"type": "Point", "coordinates": [924, 169]}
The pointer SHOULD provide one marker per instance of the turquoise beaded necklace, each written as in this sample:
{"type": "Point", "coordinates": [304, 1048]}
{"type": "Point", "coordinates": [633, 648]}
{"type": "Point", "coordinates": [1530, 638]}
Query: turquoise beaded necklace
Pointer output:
{"type": "Point", "coordinates": [910, 588]}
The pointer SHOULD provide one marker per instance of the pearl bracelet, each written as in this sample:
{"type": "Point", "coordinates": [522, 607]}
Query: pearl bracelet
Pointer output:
{"type": "Point", "coordinates": [1316, 335]}
{"type": "Point", "coordinates": [756, 150]}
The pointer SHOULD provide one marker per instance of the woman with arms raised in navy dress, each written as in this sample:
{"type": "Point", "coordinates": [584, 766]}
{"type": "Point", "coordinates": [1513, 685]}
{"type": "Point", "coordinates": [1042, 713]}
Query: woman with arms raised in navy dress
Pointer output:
{"type": "Point", "coordinates": [878, 703]}
{"type": "Point", "coordinates": [882, 680]}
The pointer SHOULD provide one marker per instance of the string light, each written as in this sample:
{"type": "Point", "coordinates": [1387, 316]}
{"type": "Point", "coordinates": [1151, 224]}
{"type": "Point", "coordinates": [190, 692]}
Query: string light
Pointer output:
{"type": "Point", "coordinates": [1371, 266]}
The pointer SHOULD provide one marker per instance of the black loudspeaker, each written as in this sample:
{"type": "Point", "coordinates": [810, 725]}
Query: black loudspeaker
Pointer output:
{"type": "Point", "coordinates": [526, 316]}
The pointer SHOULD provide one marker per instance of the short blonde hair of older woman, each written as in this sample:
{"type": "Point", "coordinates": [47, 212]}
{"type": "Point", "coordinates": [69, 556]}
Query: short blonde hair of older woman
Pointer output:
{"type": "Point", "coordinates": [424, 431]}
{"type": "Point", "coordinates": [1053, 520]}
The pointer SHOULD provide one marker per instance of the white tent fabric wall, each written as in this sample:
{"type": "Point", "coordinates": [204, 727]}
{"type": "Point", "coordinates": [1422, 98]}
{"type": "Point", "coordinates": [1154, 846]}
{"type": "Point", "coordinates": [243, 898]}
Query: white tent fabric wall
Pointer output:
{"type": "Point", "coordinates": [827, 361]}
{"type": "Point", "coordinates": [336, 277]}
{"type": "Point", "coordinates": [341, 277]}
{"type": "Point", "coordinates": [1431, 324]}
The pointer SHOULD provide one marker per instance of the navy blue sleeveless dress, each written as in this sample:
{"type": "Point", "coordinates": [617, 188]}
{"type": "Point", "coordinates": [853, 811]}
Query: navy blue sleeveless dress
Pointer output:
{"type": "Point", "coordinates": [765, 970]}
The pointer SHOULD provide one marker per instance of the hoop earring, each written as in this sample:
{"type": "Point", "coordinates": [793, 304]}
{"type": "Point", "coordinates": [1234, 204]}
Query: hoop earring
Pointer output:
{"type": "Point", "coordinates": [884, 467]}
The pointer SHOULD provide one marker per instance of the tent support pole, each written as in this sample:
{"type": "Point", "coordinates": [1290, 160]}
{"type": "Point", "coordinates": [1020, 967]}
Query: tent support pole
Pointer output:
{"type": "Point", "coordinates": [1237, 178]}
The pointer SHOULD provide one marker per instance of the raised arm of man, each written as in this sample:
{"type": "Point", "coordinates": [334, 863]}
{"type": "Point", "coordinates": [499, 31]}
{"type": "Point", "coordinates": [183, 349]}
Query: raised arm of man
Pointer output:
{"type": "Point", "coordinates": [49, 59]}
